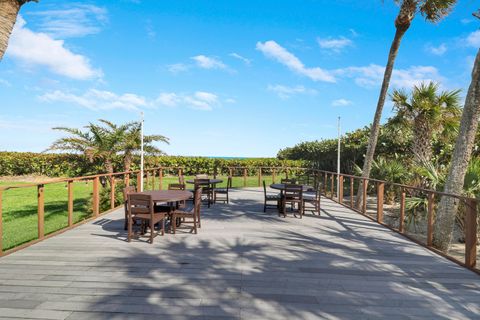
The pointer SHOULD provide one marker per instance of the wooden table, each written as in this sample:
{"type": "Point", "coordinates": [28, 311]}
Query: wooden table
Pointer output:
{"type": "Point", "coordinates": [168, 195]}
{"type": "Point", "coordinates": [281, 187]}
{"type": "Point", "coordinates": [210, 181]}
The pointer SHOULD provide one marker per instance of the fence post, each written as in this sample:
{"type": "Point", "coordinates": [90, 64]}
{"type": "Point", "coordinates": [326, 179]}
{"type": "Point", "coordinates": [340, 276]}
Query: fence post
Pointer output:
{"type": "Point", "coordinates": [1, 224]}
{"type": "Point", "coordinates": [160, 179]}
{"type": "Point", "coordinates": [147, 179]}
{"type": "Point", "coordinates": [139, 181]}
{"type": "Point", "coordinates": [380, 194]}
{"type": "Point", "coordinates": [41, 210]}
{"type": "Point", "coordinates": [325, 181]}
{"type": "Point", "coordinates": [430, 219]}
{"type": "Point", "coordinates": [332, 186]}
{"type": "Point", "coordinates": [112, 193]}
{"type": "Point", "coordinates": [401, 224]}
{"type": "Point", "coordinates": [70, 202]}
{"type": "Point", "coordinates": [153, 179]}
{"type": "Point", "coordinates": [471, 233]}
{"type": "Point", "coordinates": [351, 191]}
{"type": "Point", "coordinates": [230, 172]}
{"type": "Point", "coordinates": [364, 204]}
{"type": "Point", "coordinates": [273, 175]}
{"type": "Point", "coordinates": [259, 176]}
{"type": "Point", "coordinates": [244, 177]}
{"type": "Point", "coordinates": [340, 189]}
{"type": "Point", "coordinates": [96, 199]}
{"type": "Point", "coordinates": [127, 179]}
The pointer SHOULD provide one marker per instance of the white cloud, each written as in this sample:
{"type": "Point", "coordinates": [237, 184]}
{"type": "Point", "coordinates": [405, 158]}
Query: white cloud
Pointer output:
{"type": "Point", "coordinates": [274, 51]}
{"type": "Point", "coordinates": [76, 20]}
{"type": "Point", "coordinates": [97, 99]}
{"type": "Point", "coordinates": [438, 51]}
{"type": "Point", "coordinates": [230, 100]}
{"type": "Point", "coordinates": [341, 103]}
{"type": "Point", "coordinates": [200, 100]}
{"type": "Point", "coordinates": [177, 68]}
{"type": "Point", "coordinates": [5, 83]}
{"type": "Point", "coordinates": [372, 75]}
{"type": "Point", "coordinates": [473, 39]}
{"type": "Point", "coordinates": [239, 57]}
{"type": "Point", "coordinates": [334, 44]}
{"type": "Point", "coordinates": [41, 49]}
{"type": "Point", "coordinates": [208, 62]}
{"type": "Point", "coordinates": [285, 92]}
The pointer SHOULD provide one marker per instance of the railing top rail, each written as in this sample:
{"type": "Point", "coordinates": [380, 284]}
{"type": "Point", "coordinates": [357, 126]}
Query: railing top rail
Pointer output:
{"type": "Point", "coordinates": [404, 186]}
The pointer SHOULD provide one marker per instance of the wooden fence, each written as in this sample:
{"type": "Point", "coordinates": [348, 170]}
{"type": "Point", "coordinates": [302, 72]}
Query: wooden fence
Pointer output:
{"type": "Point", "coordinates": [338, 187]}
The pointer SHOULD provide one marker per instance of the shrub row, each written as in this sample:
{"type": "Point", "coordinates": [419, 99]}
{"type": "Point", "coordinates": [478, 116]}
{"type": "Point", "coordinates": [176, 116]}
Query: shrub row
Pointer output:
{"type": "Point", "coordinates": [74, 165]}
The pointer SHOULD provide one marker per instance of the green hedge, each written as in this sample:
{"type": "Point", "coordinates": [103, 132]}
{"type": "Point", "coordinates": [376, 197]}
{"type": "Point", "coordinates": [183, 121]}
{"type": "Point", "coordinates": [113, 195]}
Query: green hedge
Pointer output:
{"type": "Point", "coordinates": [74, 165]}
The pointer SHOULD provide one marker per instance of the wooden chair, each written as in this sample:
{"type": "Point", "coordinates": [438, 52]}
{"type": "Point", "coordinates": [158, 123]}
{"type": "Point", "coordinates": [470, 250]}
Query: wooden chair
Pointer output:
{"type": "Point", "coordinates": [314, 199]}
{"type": "Point", "coordinates": [292, 194]}
{"type": "Point", "coordinates": [193, 214]}
{"type": "Point", "coordinates": [201, 176]}
{"type": "Point", "coordinates": [207, 189]}
{"type": "Point", "coordinates": [288, 181]}
{"type": "Point", "coordinates": [270, 198]}
{"type": "Point", "coordinates": [223, 192]}
{"type": "Point", "coordinates": [181, 179]}
{"type": "Point", "coordinates": [178, 186]}
{"type": "Point", "coordinates": [126, 192]}
{"type": "Point", "coordinates": [141, 207]}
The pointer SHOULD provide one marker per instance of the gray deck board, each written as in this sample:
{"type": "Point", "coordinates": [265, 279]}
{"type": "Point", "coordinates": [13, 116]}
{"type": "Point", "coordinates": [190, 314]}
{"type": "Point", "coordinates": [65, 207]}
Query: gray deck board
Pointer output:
{"type": "Point", "coordinates": [243, 264]}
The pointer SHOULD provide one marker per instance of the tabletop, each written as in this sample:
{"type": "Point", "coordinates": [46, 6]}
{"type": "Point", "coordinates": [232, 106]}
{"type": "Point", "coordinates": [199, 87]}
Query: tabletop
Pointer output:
{"type": "Point", "coordinates": [211, 181]}
{"type": "Point", "coordinates": [168, 195]}
{"type": "Point", "coordinates": [281, 186]}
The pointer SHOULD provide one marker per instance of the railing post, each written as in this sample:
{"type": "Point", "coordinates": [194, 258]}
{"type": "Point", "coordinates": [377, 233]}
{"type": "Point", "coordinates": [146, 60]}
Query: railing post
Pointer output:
{"type": "Point", "coordinates": [127, 179]}
{"type": "Point", "coordinates": [139, 181]}
{"type": "Point", "coordinates": [401, 224]}
{"type": "Point", "coordinates": [41, 210]}
{"type": "Point", "coordinates": [430, 219]}
{"type": "Point", "coordinates": [471, 233]}
{"type": "Point", "coordinates": [1, 223]}
{"type": "Point", "coordinates": [332, 186]}
{"type": "Point", "coordinates": [96, 202]}
{"type": "Point", "coordinates": [230, 172]}
{"type": "Point", "coordinates": [364, 195]}
{"type": "Point", "coordinates": [244, 177]}
{"type": "Point", "coordinates": [351, 191]}
{"type": "Point", "coordinates": [147, 179]}
{"type": "Point", "coordinates": [273, 175]}
{"type": "Point", "coordinates": [153, 179]}
{"type": "Point", "coordinates": [340, 189]}
{"type": "Point", "coordinates": [112, 193]}
{"type": "Point", "coordinates": [325, 181]}
{"type": "Point", "coordinates": [380, 194]}
{"type": "Point", "coordinates": [70, 202]}
{"type": "Point", "coordinates": [259, 176]}
{"type": "Point", "coordinates": [160, 179]}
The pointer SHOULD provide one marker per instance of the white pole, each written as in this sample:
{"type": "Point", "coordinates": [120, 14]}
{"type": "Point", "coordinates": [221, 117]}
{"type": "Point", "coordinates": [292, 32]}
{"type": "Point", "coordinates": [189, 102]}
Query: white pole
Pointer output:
{"type": "Point", "coordinates": [338, 159]}
{"type": "Point", "coordinates": [141, 152]}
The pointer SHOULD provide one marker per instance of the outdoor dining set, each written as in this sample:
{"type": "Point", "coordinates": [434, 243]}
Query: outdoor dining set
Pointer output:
{"type": "Point", "coordinates": [162, 210]}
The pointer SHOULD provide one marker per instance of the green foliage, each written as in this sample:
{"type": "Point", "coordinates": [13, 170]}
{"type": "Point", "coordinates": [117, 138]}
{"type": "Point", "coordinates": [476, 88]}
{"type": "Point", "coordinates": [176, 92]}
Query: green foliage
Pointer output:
{"type": "Point", "coordinates": [74, 165]}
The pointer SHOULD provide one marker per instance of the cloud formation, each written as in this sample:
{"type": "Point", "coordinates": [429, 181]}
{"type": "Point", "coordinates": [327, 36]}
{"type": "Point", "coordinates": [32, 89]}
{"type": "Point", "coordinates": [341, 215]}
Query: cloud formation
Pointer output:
{"type": "Point", "coordinates": [341, 103]}
{"type": "Point", "coordinates": [438, 51]}
{"type": "Point", "coordinates": [205, 62]}
{"type": "Point", "coordinates": [334, 44]}
{"type": "Point", "coordinates": [473, 39]}
{"type": "Point", "coordinates": [274, 51]}
{"type": "Point", "coordinates": [285, 92]}
{"type": "Point", "coordinates": [242, 58]}
{"type": "Point", "coordinates": [40, 49]}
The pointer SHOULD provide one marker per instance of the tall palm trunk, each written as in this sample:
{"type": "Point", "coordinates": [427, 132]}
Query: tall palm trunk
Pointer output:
{"type": "Point", "coordinates": [402, 23]}
{"type": "Point", "coordinates": [127, 161]}
{"type": "Point", "coordinates": [422, 136]}
{"type": "Point", "coordinates": [109, 168]}
{"type": "Point", "coordinates": [8, 16]}
{"type": "Point", "coordinates": [447, 209]}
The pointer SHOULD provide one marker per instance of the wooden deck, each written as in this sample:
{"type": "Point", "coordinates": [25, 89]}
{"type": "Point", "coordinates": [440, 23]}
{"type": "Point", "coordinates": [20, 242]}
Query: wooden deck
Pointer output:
{"type": "Point", "coordinates": [243, 264]}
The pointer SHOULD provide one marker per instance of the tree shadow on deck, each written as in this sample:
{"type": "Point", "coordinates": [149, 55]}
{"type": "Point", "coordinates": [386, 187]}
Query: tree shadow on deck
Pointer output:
{"type": "Point", "coordinates": [329, 268]}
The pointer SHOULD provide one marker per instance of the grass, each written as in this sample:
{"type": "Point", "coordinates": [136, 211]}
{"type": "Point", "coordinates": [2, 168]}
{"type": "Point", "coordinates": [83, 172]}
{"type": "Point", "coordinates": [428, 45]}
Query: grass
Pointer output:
{"type": "Point", "coordinates": [20, 205]}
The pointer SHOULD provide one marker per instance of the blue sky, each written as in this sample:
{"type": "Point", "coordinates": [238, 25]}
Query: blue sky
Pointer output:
{"type": "Point", "coordinates": [219, 78]}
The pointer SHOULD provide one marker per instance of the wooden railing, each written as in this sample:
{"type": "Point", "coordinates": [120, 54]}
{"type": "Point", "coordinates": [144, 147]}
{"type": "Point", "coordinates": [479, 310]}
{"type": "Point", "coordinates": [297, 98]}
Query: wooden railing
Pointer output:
{"type": "Point", "coordinates": [154, 179]}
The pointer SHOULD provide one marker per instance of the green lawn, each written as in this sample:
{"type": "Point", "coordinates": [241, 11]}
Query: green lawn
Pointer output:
{"type": "Point", "coordinates": [20, 206]}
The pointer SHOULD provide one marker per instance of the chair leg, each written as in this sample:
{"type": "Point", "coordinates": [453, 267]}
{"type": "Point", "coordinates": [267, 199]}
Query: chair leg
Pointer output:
{"type": "Point", "coordinates": [129, 232]}
{"type": "Point", "coordinates": [194, 224]}
{"type": "Point", "coordinates": [163, 226]}
{"type": "Point", "coordinates": [173, 223]}
{"type": "Point", "coordinates": [152, 230]}
{"type": "Point", "coordinates": [265, 206]}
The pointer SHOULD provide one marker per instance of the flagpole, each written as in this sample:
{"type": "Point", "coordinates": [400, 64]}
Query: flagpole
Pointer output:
{"type": "Point", "coordinates": [141, 152]}
{"type": "Point", "coordinates": [338, 159]}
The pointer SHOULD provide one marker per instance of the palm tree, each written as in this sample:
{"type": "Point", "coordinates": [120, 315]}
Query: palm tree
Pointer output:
{"type": "Point", "coordinates": [428, 113]}
{"type": "Point", "coordinates": [8, 16]}
{"type": "Point", "coordinates": [97, 143]}
{"type": "Point", "coordinates": [464, 144]}
{"type": "Point", "coordinates": [433, 11]}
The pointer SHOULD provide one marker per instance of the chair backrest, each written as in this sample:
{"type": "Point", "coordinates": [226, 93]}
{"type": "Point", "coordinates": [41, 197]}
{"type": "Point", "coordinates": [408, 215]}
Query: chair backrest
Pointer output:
{"type": "Point", "coordinates": [229, 182]}
{"type": "Point", "coordinates": [140, 203]}
{"type": "Point", "coordinates": [128, 190]}
{"type": "Point", "coordinates": [181, 179]}
{"type": "Point", "coordinates": [293, 191]}
{"type": "Point", "coordinates": [264, 188]}
{"type": "Point", "coordinates": [201, 176]}
{"type": "Point", "coordinates": [303, 179]}
{"type": "Point", "coordinates": [197, 200]}
{"type": "Point", "coordinates": [201, 182]}
{"type": "Point", "coordinates": [288, 181]}
{"type": "Point", "coordinates": [176, 186]}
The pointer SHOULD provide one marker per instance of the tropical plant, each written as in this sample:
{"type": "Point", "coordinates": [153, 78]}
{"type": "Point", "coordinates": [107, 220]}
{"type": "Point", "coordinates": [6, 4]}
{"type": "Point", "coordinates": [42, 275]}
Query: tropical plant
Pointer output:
{"type": "Point", "coordinates": [427, 113]}
{"type": "Point", "coordinates": [447, 209]}
{"type": "Point", "coordinates": [433, 11]}
{"type": "Point", "coordinates": [8, 16]}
